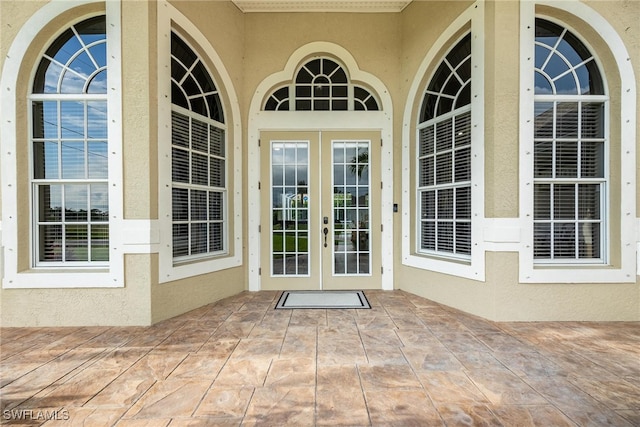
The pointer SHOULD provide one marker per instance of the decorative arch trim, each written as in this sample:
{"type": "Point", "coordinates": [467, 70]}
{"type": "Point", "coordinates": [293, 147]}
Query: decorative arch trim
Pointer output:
{"type": "Point", "coordinates": [12, 275]}
{"type": "Point", "coordinates": [629, 265]}
{"type": "Point", "coordinates": [168, 17]}
{"type": "Point", "coordinates": [260, 120]}
{"type": "Point", "coordinates": [318, 49]}
{"type": "Point", "coordinates": [475, 268]}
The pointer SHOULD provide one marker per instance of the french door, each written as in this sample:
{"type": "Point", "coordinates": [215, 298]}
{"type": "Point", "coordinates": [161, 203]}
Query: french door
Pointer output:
{"type": "Point", "coordinates": [320, 220]}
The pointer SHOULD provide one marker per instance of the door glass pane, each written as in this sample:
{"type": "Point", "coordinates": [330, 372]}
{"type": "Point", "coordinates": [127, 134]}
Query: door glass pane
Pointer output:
{"type": "Point", "coordinates": [351, 210]}
{"type": "Point", "coordinates": [289, 208]}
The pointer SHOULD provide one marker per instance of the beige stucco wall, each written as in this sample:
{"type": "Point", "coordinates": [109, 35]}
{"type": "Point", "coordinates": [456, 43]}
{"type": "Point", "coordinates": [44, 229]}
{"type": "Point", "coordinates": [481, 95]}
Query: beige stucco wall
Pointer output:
{"type": "Point", "coordinates": [143, 300]}
{"type": "Point", "coordinates": [501, 296]}
{"type": "Point", "coordinates": [254, 46]}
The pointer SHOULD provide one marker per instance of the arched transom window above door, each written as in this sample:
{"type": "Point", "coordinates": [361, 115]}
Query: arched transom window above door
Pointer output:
{"type": "Point", "coordinates": [321, 84]}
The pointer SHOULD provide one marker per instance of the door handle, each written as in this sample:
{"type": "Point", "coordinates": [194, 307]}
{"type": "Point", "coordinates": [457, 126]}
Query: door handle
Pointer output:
{"type": "Point", "coordinates": [325, 231]}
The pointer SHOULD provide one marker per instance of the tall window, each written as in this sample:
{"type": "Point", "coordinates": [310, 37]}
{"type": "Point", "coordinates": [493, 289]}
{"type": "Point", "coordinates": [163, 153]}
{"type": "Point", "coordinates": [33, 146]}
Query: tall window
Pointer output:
{"type": "Point", "coordinates": [444, 158]}
{"type": "Point", "coordinates": [569, 149]}
{"type": "Point", "coordinates": [321, 84]}
{"type": "Point", "coordinates": [69, 149]}
{"type": "Point", "coordinates": [198, 158]}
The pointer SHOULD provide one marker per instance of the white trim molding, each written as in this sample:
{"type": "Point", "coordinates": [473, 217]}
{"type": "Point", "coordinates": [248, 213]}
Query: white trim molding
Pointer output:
{"type": "Point", "coordinates": [320, 121]}
{"type": "Point", "coordinates": [113, 275]}
{"type": "Point", "coordinates": [605, 273]}
{"type": "Point", "coordinates": [475, 269]}
{"type": "Point", "coordinates": [168, 271]}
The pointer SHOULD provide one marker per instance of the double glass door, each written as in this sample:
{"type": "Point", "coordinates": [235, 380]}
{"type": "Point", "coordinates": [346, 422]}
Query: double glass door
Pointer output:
{"type": "Point", "coordinates": [320, 221]}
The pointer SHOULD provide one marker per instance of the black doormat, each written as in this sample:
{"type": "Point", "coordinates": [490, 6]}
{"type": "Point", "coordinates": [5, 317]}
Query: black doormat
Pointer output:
{"type": "Point", "coordinates": [322, 299]}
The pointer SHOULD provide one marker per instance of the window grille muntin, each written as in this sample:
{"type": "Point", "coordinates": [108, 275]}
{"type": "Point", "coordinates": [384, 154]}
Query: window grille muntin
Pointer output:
{"type": "Point", "coordinates": [443, 178]}
{"type": "Point", "coordinates": [570, 150]}
{"type": "Point", "coordinates": [192, 86]}
{"type": "Point", "coordinates": [321, 84]}
{"type": "Point", "coordinates": [69, 146]}
{"type": "Point", "coordinates": [198, 160]}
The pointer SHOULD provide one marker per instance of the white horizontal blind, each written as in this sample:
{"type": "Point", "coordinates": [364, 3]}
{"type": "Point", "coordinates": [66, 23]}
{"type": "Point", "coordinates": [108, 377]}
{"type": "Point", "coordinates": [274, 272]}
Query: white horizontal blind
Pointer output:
{"type": "Point", "coordinates": [569, 180]}
{"type": "Point", "coordinates": [199, 195]}
{"type": "Point", "coordinates": [444, 185]}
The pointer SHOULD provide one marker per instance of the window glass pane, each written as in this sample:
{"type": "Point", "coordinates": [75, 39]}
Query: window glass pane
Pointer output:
{"type": "Point", "coordinates": [567, 85]}
{"type": "Point", "coordinates": [49, 203]}
{"type": "Point", "coordinates": [542, 240]}
{"type": "Point", "coordinates": [99, 202]}
{"type": "Point", "coordinates": [180, 240]}
{"type": "Point", "coordinates": [567, 120]}
{"type": "Point", "coordinates": [542, 85]}
{"type": "Point", "coordinates": [199, 238]}
{"type": "Point", "coordinates": [179, 165]}
{"type": "Point", "coordinates": [564, 240]}
{"type": "Point", "coordinates": [199, 136]}
{"type": "Point", "coordinates": [73, 160]}
{"type": "Point", "coordinates": [216, 142]}
{"type": "Point", "coordinates": [75, 202]}
{"type": "Point", "coordinates": [180, 201]}
{"type": "Point", "coordinates": [589, 242]}
{"type": "Point", "coordinates": [216, 237]}
{"type": "Point", "coordinates": [97, 160]}
{"type": "Point", "coordinates": [567, 160]}
{"type": "Point", "coordinates": [217, 172]}
{"type": "Point", "coordinates": [463, 238]}
{"type": "Point", "coordinates": [592, 123]}
{"type": "Point", "coordinates": [45, 119]}
{"type": "Point", "coordinates": [99, 243]}
{"type": "Point", "coordinates": [179, 129]}
{"type": "Point", "coordinates": [543, 160]}
{"type": "Point", "coordinates": [72, 119]}
{"type": "Point", "coordinates": [50, 249]}
{"type": "Point", "coordinates": [592, 160]}
{"type": "Point", "coordinates": [564, 201]}
{"type": "Point", "coordinates": [589, 201]}
{"type": "Point", "coordinates": [542, 201]}
{"type": "Point", "coordinates": [216, 212]}
{"type": "Point", "coordinates": [199, 169]}
{"type": "Point", "coordinates": [445, 204]}
{"type": "Point", "coordinates": [198, 205]}
{"type": "Point", "coordinates": [76, 243]}
{"type": "Point", "coordinates": [45, 160]}
{"type": "Point", "coordinates": [544, 119]}
{"type": "Point", "coordinates": [445, 236]}
{"type": "Point", "coordinates": [463, 203]}
{"type": "Point", "coordinates": [97, 119]}
{"type": "Point", "coordinates": [428, 236]}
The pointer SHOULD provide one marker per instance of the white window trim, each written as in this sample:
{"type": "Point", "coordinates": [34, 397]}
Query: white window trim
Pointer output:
{"type": "Point", "coordinates": [530, 272]}
{"type": "Point", "coordinates": [68, 277]}
{"type": "Point", "coordinates": [168, 269]}
{"type": "Point", "coordinates": [320, 120]}
{"type": "Point", "coordinates": [475, 267]}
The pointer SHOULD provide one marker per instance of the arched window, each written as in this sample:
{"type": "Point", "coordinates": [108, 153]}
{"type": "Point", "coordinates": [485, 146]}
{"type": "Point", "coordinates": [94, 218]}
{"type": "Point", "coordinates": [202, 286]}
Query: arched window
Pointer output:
{"type": "Point", "coordinates": [444, 158]}
{"type": "Point", "coordinates": [570, 145]}
{"type": "Point", "coordinates": [69, 149]}
{"type": "Point", "coordinates": [321, 84]}
{"type": "Point", "coordinates": [198, 153]}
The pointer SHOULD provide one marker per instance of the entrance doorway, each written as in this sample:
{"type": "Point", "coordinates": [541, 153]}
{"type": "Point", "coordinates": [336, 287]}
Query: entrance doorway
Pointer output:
{"type": "Point", "coordinates": [321, 217]}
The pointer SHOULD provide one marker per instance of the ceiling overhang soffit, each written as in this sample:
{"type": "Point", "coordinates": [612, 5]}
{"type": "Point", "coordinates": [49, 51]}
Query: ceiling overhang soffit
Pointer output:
{"type": "Point", "coordinates": [370, 6]}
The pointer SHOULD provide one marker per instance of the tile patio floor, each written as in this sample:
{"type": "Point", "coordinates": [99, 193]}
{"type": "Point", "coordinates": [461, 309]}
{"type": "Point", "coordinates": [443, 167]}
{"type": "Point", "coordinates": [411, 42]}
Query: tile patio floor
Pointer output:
{"type": "Point", "coordinates": [405, 362]}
